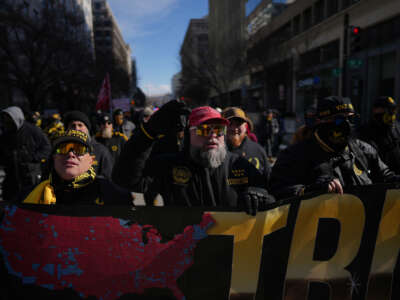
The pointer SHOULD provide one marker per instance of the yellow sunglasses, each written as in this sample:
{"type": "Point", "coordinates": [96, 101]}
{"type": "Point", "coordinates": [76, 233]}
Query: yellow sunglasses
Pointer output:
{"type": "Point", "coordinates": [207, 129]}
{"type": "Point", "coordinates": [76, 148]}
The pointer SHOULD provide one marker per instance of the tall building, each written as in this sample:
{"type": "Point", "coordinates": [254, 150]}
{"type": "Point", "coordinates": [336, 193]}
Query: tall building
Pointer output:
{"type": "Point", "coordinates": [194, 48]}
{"type": "Point", "coordinates": [86, 7]}
{"type": "Point", "coordinates": [308, 54]}
{"type": "Point", "coordinates": [176, 85]}
{"type": "Point", "coordinates": [227, 23]}
{"type": "Point", "coordinates": [109, 43]}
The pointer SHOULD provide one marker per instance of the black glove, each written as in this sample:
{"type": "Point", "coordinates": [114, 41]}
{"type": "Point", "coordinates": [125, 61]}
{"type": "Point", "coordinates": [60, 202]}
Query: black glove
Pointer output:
{"type": "Point", "coordinates": [171, 117]}
{"type": "Point", "coordinates": [321, 185]}
{"type": "Point", "coordinates": [256, 199]}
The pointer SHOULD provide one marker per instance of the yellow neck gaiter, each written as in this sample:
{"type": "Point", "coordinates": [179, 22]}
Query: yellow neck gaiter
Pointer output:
{"type": "Point", "coordinates": [44, 192]}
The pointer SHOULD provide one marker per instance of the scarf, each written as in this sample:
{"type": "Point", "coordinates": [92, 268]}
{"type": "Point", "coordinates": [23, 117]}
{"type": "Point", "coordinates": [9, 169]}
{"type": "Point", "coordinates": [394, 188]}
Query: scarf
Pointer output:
{"type": "Point", "coordinates": [44, 192]}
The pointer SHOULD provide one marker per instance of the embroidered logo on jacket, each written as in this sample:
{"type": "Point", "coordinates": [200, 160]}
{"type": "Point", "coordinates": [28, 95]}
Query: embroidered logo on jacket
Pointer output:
{"type": "Point", "coordinates": [181, 175]}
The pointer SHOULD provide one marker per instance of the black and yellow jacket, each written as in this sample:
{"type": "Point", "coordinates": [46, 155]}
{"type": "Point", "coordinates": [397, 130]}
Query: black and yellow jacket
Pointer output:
{"type": "Point", "coordinates": [113, 144]}
{"type": "Point", "coordinates": [86, 189]}
{"type": "Point", "coordinates": [309, 166]}
{"type": "Point", "coordinates": [179, 180]}
{"type": "Point", "coordinates": [255, 154]}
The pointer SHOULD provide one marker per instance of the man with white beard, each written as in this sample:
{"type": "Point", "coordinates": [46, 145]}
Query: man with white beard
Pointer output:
{"type": "Point", "coordinates": [203, 174]}
{"type": "Point", "coordinates": [113, 140]}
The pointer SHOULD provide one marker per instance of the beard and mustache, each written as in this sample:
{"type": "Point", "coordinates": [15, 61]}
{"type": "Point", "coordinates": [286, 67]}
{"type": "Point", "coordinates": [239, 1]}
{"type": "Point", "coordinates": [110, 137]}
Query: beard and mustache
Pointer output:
{"type": "Point", "coordinates": [107, 133]}
{"type": "Point", "coordinates": [236, 139]}
{"type": "Point", "coordinates": [211, 158]}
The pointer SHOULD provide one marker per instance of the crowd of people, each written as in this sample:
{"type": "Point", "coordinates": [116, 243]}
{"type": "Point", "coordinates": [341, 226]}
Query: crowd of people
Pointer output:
{"type": "Point", "coordinates": [195, 157]}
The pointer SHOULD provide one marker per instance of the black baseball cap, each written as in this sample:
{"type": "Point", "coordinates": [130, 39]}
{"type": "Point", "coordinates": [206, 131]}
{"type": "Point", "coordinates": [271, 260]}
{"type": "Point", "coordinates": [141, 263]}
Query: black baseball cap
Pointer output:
{"type": "Point", "coordinates": [333, 105]}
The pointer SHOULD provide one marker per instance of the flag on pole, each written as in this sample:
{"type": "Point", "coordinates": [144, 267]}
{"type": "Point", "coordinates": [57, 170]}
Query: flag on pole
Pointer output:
{"type": "Point", "coordinates": [104, 98]}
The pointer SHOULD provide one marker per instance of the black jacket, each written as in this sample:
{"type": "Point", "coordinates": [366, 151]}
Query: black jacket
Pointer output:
{"type": "Point", "coordinates": [386, 140]}
{"type": "Point", "coordinates": [305, 167]}
{"type": "Point", "coordinates": [179, 180]}
{"type": "Point", "coordinates": [103, 160]}
{"type": "Point", "coordinates": [22, 153]}
{"type": "Point", "coordinates": [113, 144]}
{"type": "Point", "coordinates": [100, 192]}
{"type": "Point", "coordinates": [255, 154]}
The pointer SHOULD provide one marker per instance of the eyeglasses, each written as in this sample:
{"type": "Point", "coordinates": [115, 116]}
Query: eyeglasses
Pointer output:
{"type": "Point", "coordinates": [338, 120]}
{"type": "Point", "coordinates": [208, 129]}
{"type": "Point", "coordinates": [106, 123]}
{"type": "Point", "coordinates": [76, 148]}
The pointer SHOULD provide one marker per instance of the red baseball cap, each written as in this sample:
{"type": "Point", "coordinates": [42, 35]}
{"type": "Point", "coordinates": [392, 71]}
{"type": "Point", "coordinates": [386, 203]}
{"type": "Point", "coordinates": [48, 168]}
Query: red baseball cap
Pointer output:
{"type": "Point", "coordinates": [203, 114]}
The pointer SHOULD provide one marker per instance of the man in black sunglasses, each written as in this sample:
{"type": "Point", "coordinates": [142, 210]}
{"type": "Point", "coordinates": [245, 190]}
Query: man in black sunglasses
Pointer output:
{"type": "Point", "coordinates": [113, 140]}
{"type": "Point", "coordinates": [383, 131]}
{"type": "Point", "coordinates": [332, 159]}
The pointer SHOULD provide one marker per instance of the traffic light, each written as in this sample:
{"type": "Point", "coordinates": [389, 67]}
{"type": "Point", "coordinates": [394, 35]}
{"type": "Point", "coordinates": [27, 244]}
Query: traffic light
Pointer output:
{"type": "Point", "coordinates": [354, 39]}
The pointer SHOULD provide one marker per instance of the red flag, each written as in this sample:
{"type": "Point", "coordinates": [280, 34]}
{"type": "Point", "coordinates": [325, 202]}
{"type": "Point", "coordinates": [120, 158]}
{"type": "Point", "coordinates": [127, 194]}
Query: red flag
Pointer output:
{"type": "Point", "coordinates": [104, 98]}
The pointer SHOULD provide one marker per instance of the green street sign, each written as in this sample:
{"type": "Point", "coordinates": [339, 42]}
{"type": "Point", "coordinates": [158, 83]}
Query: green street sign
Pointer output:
{"type": "Point", "coordinates": [336, 72]}
{"type": "Point", "coordinates": [354, 63]}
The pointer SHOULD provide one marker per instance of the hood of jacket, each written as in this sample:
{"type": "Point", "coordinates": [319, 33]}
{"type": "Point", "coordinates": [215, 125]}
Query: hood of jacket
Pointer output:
{"type": "Point", "coordinates": [16, 115]}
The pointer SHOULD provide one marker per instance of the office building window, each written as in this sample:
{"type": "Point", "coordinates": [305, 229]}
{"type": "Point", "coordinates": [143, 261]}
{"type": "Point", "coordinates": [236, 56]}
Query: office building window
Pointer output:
{"type": "Point", "coordinates": [296, 25]}
{"type": "Point", "coordinates": [319, 11]}
{"type": "Point", "coordinates": [307, 19]}
{"type": "Point", "coordinates": [332, 7]}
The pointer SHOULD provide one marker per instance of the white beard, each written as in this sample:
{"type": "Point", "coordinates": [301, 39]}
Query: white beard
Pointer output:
{"type": "Point", "coordinates": [107, 133]}
{"type": "Point", "coordinates": [212, 158]}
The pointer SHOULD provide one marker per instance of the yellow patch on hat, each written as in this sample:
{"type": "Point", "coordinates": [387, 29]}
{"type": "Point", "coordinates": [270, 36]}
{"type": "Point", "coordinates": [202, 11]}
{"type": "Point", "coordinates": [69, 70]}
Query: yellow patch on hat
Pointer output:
{"type": "Point", "coordinates": [391, 100]}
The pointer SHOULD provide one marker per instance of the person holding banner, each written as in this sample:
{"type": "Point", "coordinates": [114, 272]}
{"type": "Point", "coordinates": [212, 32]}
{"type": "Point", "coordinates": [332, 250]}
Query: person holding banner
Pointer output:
{"type": "Point", "coordinates": [103, 163]}
{"type": "Point", "coordinates": [73, 179]}
{"type": "Point", "coordinates": [203, 174]}
{"type": "Point", "coordinates": [332, 159]}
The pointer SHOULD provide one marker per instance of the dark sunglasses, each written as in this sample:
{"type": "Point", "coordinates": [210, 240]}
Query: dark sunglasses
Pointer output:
{"type": "Point", "coordinates": [353, 119]}
{"type": "Point", "coordinates": [76, 148]}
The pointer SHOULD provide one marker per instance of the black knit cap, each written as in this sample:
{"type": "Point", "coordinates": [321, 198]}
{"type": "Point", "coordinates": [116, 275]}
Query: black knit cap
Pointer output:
{"type": "Point", "coordinates": [385, 102]}
{"type": "Point", "coordinates": [104, 118]}
{"type": "Point", "coordinates": [76, 115]}
{"type": "Point", "coordinates": [333, 105]}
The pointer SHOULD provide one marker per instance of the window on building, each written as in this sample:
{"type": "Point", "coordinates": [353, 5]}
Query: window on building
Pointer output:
{"type": "Point", "coordinates": [296, 25]}
{"type": "Point", "coordinates": [332, 7]}
{"type": "Point", "coordinates": [397, 27]}
{"type": "Point", "coordinates": [347, 3]}
{"type": "Point", "coordinates": [97, 5]}
{"type": "Point", "coordinates": [319, 11]}
{"type": "Point", "coordinates": [307, 19]}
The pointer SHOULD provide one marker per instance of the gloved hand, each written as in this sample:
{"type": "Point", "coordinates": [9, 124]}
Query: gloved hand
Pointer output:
{"type": "Point", "coordinates": [256, 199]}
{"type": "Point", "coordinates": [171, 117]}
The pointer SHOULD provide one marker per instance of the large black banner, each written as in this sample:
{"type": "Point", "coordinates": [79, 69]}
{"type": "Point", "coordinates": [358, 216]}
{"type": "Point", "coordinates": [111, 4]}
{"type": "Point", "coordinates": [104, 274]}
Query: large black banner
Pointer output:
{"type": "Point", "coordinates": [316, 247]}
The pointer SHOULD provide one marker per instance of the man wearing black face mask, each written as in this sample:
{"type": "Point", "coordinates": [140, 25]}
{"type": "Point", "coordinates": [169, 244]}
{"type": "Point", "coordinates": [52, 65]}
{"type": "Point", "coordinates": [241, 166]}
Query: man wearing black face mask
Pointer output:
{"type": "Point", "coordinates": [383, 132]}
{"type": "Point", "coordinates": [331, 159]}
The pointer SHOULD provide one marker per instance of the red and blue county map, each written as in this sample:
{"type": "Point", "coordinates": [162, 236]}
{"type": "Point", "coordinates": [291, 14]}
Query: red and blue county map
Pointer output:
{"type": "Point", "coordinates": [96, 256]}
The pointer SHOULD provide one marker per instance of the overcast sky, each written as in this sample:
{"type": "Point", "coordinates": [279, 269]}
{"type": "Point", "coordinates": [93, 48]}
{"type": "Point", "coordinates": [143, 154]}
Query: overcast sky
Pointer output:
{"type": "Point", "coordinates": [155, 29]}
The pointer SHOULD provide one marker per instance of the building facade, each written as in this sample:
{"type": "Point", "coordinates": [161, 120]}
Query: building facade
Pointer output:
{"type": "Point", "coordinates": [109, 43]}
{"type": "Point", "coordinates": [227, 31]}
{"type": "Point", "coordinates": [193, 53]}
{"type": "Point", "coordinates": [176, 85]}
{"type": "Point", "coordinates": [310, 54]}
